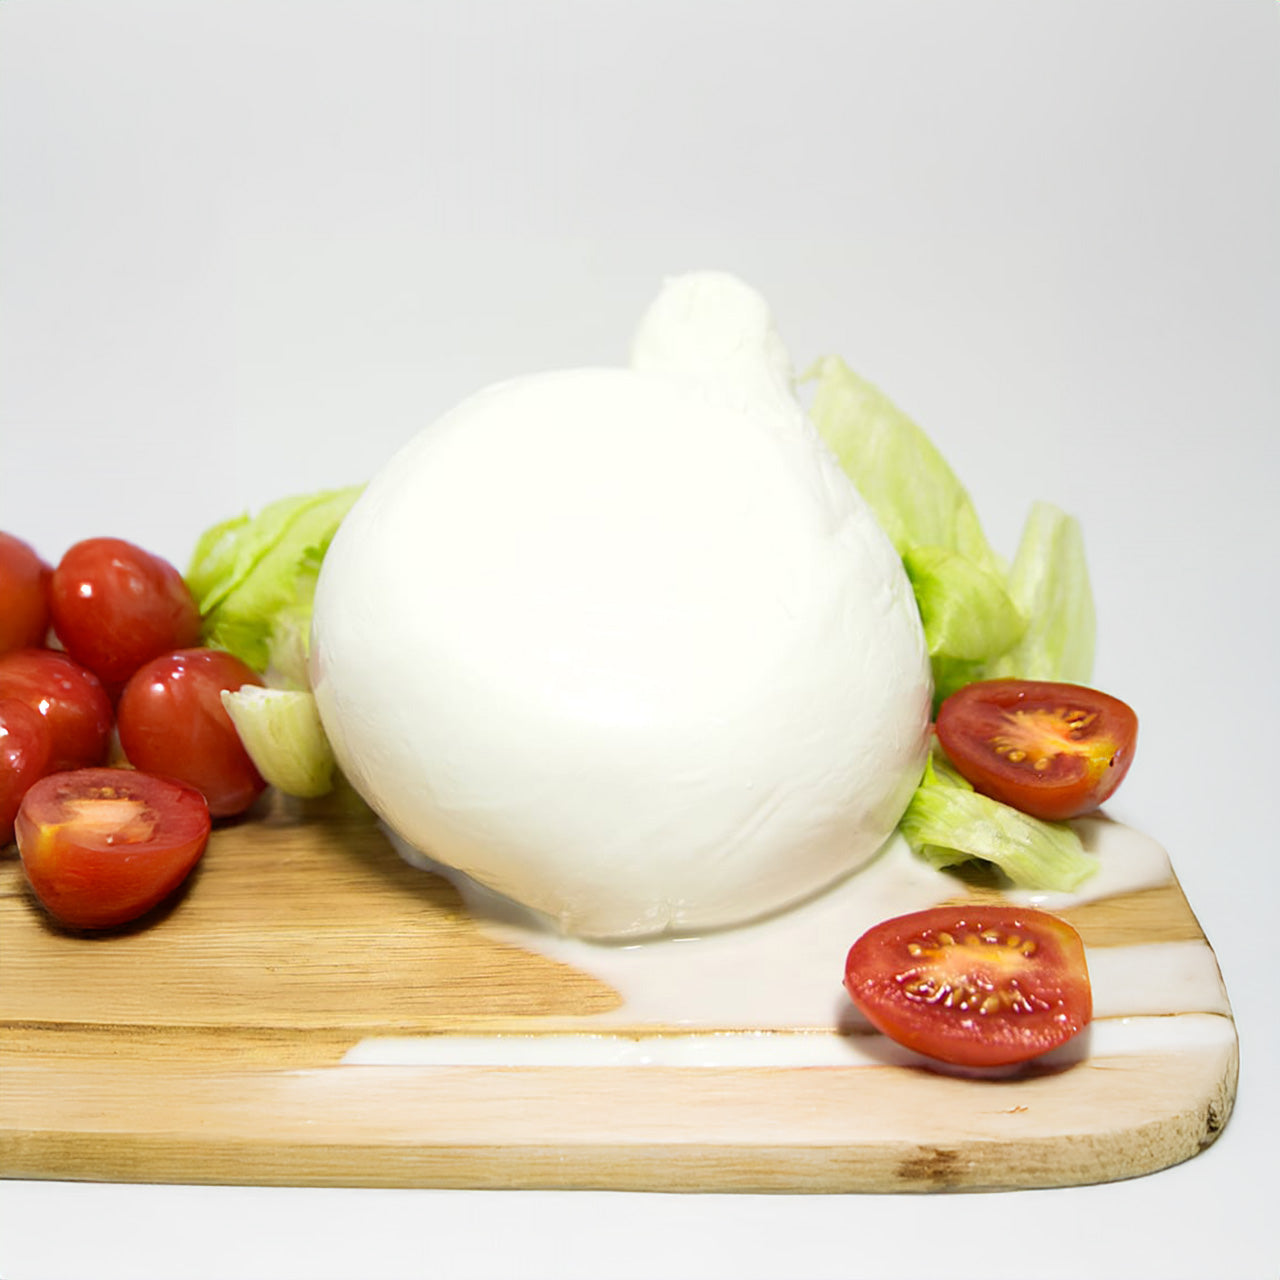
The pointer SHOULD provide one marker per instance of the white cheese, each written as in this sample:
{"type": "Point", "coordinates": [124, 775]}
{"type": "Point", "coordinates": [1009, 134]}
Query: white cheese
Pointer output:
{"type": "Point", "coordinates": [625, 644]}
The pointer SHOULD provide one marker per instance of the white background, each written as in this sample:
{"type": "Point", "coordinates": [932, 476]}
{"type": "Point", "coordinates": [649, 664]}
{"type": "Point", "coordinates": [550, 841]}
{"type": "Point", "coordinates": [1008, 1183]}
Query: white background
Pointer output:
{"type": "Point", "coordinates": [246, 249]}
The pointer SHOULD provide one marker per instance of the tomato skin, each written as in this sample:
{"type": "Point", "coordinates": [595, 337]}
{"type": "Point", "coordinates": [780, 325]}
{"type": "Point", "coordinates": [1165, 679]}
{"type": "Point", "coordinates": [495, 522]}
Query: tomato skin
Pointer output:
{"type": "Point", "coordinates": [1055, 751]}
{"type": "Point", "coordinates": [71, 699]}
{"type": "Point", "coordinates": [171, 720]}
{"type": "Point", "coordinates": [115, 606]}
{"type": "Point", "coordinates": [24, 596]}
{"type": "Point", "coordinates": [975, 986]}
{"type": "Point", "coordinates": [101, 847]}
{"type": "Point", "coordinates": [24, 758]}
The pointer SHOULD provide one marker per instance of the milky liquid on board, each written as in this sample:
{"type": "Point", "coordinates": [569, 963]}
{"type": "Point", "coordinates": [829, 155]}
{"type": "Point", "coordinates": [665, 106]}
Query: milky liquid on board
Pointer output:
{"type": "Point", "coordinates": [725, 992]}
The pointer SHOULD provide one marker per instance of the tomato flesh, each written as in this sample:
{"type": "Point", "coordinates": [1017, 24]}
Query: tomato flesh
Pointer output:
{"type": "Point", "coordinates": [24, 758]}
{"type": "Point", "coordinates": [71, 698]}
{"type": "Point", "coordinates": [1053, 750]}
{"type": "Point", "coordinates": [24, 596]}
{"type": "Point", "coordinates": [101, 847]}
{"type": "Point", "coordinates": [115, 606]}
{"type": "Point", "coordinates": [171, 721]}
{"type": "Point", "coordinates": [975, 986]}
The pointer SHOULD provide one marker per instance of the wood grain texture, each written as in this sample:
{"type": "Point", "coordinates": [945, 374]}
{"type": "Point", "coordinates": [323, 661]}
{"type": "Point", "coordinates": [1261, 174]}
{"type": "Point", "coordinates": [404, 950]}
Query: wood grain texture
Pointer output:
{"type": "Point", "coordinates": [206, 1045]}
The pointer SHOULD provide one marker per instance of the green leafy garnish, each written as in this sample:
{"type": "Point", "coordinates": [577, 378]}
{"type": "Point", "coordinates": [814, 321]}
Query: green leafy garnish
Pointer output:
{"type": "Point", "coordinates": [967, 613]}
{"type": "Point", "coordinates": [948, 823]}
{"type": "Point", "coordinates": [254, 580]}
{"type": "Point", "coordinates": [961, 587]}
{"type": "Point", "coordinates": [982, 619]}
{"type": "Point", "coordinates": [282, 733]}
{"type": "Point", "coordinates": [1049, 583]}
{"type": "Point", "coordinates": [897, 468]}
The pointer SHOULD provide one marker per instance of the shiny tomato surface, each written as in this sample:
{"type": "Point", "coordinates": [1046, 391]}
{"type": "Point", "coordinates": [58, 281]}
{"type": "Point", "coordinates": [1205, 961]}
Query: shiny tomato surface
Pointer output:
{"type": "Point", "coordinates": [24, 596]}
{"type": "Point", "coordinates": [101, 847]}
{"type": "Point", "coordinates": [171, 721]}
{"type": "Point", "coordinates": [24, 758]}
{"type": "Point", "coordinates": [1055, 751]}
{"type": "Point", "coordinates": [976, 986]}
{"type": "Point", "coordinates": [71, 699]}
{"type": "Point", "coordinates": [116, 606]}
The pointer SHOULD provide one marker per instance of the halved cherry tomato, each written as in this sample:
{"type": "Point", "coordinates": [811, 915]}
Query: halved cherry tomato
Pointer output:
{"type": "Point", "coordinates": [171, 720]}
{"type": "Point", "coordinates": [116, 606]}
{"type": "Point", "coordinates": [978, 986]}
{"type": "Point", "coordinates": [24, 596]}
{"type": "Point", "coordinates": [101, 847]}
{"type": "Point", "coordinates": [1055, 751]}
{"type": "Point", "coordinates": [71, 699]}
{"type": "Point", "coordinates": [24, 758]}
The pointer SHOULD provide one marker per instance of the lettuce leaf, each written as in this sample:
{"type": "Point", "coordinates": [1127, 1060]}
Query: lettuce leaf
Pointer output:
{"type": "Point", "coordinates": [914, 493]}
{"type": "Point", "coordinates": [969, 616]}
{"type": "Point", "coordinates": [254, 580]}
{"type": "Point", "coordinates": [966, 611]}
{"type": "Point", "coordinates": [1033, 619]}
{"type": "Point", "coordinates": [948, 823]}
{"type": "Point", "coordinates": [282, 732]}
{"type": "Point", "coordinates": [1049, 582]}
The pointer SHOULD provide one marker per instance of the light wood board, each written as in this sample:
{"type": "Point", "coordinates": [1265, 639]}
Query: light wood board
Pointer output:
{"type": "Point", "coordinates": [207, 1046]}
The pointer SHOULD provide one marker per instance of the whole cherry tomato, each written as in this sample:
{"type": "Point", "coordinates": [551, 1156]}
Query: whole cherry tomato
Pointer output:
{"type": "Point", "coordinates": [24, 758]}
{"type": "Point", "coordinates": [116, 606]}
{"type": "Point", "coordinates": [71, 699]}
{"type": "Point", "coordinates": [24, 596]}
{"type": "Point", "coordinates": [977, 986]}
{"type": "Point", "coordinates": [1055, 751]}
{"type": "Point", "coordinates": [171, 721]}
{"type": "Point", "coordinates": [102, 846]}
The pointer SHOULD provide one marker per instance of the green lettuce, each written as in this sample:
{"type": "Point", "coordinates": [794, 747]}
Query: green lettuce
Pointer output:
{"type": "Point", "coordinates": [915, 495]}
{"type": "Point", "coordinates": [965, 608]}
{"type": "Point", "coordinates": [254, 580]}
{"type": "Point", "coordinates": [982, 619]}
{"type": "Point", "coordinates": [1049, 582]}
{"type": "Point", "coordinates": [282, 732]}
{"type": "Point", "coordinates": [960, 583]}
{"type": "Point", "coordinates": [948, 823]}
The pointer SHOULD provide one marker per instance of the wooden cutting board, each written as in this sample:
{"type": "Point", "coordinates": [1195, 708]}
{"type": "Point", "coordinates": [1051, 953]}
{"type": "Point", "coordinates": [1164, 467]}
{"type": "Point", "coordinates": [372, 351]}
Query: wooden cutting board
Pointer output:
{"type": "Point", "coordinates": [212, 1046]}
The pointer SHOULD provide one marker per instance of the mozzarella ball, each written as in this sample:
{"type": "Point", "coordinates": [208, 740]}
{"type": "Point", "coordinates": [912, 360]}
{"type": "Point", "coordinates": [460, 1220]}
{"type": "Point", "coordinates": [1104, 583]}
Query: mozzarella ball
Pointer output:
{"type": "Point", "coordinates": [626, 649]}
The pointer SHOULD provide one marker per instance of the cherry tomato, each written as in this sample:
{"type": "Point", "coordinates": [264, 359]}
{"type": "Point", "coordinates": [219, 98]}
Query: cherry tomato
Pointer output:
{"type": "Point", "coordinates": [171, 721]}
{"type": "Point", "coordinates": [71, 699]}
{"type": "Point", "coordinates": [1055, 751]}
{"type": "Point", "coordinates": [978, 986]}
{"type": "Point", "coordinates": [24, 596]}
{"type": "Point", "coordinates": [24, 758]}
{"type": "Point", "coordinates": [101, 847]}
{"type": "Point", "coordinates": [116, 606]}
